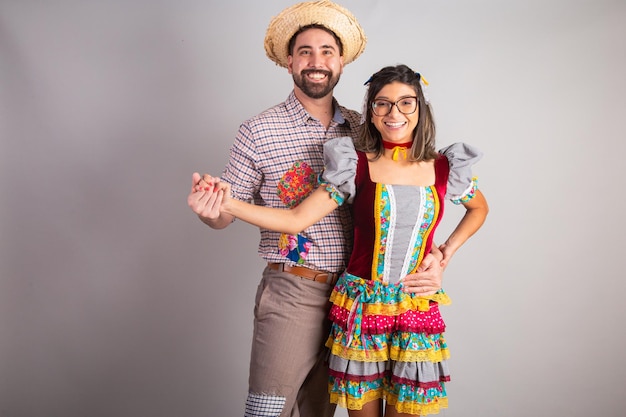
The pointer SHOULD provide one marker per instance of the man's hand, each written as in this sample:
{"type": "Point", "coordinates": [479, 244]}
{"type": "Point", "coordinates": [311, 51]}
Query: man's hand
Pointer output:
{"type": "Point", "coordinates": [427, 280]}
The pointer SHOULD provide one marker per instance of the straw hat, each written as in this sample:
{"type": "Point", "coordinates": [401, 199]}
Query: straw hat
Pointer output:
{"type": "Point", "coordinates": [325, 13]}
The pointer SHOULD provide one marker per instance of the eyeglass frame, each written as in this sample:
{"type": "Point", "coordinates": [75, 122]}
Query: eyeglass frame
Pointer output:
{"type": "Point", "coordinates": [372, 105]}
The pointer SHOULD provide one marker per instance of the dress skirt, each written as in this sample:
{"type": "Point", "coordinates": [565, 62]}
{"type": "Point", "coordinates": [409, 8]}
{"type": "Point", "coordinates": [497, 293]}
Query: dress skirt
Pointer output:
{"type": "Point", "coordinates": [387, 344]}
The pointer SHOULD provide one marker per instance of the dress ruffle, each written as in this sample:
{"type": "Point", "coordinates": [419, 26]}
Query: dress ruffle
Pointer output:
{"type": "Point", "coordinates": [386, 343]}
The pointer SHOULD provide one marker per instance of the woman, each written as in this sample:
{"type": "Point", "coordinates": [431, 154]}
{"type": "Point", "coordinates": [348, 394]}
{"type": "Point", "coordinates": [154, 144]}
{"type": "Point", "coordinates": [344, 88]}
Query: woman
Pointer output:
{"type": "Point", "coordinates": [386, 344]}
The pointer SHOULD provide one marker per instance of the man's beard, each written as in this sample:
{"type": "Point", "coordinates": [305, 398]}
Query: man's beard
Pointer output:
{"type": "Point", "coordinates": [315, 90]}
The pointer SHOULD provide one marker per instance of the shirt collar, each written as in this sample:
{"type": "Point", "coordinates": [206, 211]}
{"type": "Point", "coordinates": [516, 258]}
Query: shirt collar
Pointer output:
{"type": "Point", "coordinates": [299, 112]}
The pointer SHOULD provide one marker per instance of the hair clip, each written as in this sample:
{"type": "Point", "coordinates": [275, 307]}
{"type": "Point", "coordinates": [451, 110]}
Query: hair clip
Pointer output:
{"type": "Point", "coordinates": [369, 80]}
{"type": "Point", "coordinates": [422, 79]}
{"type": "Point", "coordinates": [424, 84]}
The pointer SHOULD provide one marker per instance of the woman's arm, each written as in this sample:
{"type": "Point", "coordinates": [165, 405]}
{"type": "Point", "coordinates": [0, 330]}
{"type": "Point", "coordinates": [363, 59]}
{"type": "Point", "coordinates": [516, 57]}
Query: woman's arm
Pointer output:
{"type": "Point", "coordinates": [477, 209]}
{"type": "Point", "coordinates": [312, 209]}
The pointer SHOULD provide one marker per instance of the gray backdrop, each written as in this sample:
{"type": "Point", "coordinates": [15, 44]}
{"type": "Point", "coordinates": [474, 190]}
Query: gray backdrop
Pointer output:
{"type": "Point", "coordinates": [115, 301]}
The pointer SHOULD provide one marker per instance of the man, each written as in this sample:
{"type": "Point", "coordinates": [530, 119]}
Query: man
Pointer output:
{"type": "Point", "coordinates": [274, 161]}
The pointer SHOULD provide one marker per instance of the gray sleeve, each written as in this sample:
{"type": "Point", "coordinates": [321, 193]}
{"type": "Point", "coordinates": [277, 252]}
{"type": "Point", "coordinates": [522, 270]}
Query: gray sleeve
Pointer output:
{"type": "Point", "coordinates": [339, 173]}
{"type": "Point", "coordinates": [461, 158]}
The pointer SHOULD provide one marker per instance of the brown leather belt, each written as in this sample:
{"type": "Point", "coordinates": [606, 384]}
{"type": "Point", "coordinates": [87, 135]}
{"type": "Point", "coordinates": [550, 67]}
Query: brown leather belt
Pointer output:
{"type": "Point", "coordinates": [312, 274]}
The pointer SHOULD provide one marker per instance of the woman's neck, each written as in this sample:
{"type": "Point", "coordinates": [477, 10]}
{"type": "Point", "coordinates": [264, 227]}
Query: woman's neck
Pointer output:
{"type": "Point", "coordinates": [397, 151]}
{"type": "Point", "coordinates": [392, 145]}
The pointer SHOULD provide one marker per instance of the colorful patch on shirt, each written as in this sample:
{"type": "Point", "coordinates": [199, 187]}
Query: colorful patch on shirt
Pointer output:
{"type": "Point", "coordinates": [294, 248]}
{"type": "Point", "coordinates": [294, 186]}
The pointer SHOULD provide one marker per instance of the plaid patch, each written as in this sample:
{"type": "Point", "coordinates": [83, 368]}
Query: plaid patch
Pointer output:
{"type": "Point", "coordinates": [259, 405]}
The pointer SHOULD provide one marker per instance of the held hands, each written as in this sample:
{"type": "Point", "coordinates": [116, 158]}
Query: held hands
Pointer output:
{"type": "Point", "coordinates": [207, 196]}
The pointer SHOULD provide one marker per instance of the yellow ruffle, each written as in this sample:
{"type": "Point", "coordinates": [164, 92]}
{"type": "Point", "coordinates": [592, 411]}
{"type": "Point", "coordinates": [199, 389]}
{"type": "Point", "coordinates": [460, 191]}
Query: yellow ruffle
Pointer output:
{"type": "Point", "coordinates": [352, 403]}
{"type": "Point", "coordinates": [417, 408]}
{"type": "Point", "coordinates": [393, 352]}
{"type": "Point", "coordinates": [430, 355]}
{"type": "Point", "coordinates": [421, 303]}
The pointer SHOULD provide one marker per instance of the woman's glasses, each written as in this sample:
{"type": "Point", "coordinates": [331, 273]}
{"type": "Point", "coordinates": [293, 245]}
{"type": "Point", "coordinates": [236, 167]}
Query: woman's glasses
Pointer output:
{"type": "Point", "coordinates": [406, 105]}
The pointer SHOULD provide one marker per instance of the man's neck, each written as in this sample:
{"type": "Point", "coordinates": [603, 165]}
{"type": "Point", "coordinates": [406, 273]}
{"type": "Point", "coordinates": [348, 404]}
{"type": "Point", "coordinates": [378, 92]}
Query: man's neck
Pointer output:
{"type": "Point", "coordinates": [320, 108]}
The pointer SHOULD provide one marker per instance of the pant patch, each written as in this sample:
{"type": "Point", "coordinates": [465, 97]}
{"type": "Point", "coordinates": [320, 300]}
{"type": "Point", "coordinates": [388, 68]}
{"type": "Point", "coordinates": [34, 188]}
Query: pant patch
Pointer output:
{"type": "Point", "coordinates": [261, 405]}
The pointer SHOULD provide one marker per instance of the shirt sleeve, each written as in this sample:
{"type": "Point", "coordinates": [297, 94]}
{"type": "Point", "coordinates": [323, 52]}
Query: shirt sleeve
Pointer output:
{"type": "Point", "coordinates": [242, 172]}
{"type": "Point", "coordinates": [338, 176]}
{"type": "Point", "coordinates": [462, 185]}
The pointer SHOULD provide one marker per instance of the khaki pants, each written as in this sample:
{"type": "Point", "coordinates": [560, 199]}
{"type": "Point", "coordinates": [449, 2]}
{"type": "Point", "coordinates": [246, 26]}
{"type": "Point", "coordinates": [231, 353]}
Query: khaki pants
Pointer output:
{"type": "Point", "coordinates": [288, 369]}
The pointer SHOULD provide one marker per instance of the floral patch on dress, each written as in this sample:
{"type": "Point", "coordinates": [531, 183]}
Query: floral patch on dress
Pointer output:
{"type": "Point", "coordinates": [294, 186]}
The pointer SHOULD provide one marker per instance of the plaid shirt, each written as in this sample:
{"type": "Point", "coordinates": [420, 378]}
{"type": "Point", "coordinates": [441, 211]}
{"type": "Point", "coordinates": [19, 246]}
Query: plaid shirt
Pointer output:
{"type": "Point", "coordinates": [268, 153]}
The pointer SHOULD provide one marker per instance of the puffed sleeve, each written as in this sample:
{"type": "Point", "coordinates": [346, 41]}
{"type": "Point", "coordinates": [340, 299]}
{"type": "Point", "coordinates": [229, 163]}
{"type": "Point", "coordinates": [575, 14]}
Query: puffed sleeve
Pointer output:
{"type": "Point", "coordinates": [462, 185]}
{"type": "Point", "coordinates": [339, 173]}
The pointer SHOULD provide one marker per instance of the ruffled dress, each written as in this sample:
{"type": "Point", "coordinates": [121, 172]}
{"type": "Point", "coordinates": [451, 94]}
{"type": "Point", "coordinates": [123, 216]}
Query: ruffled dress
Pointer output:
{"type": "Point", "coordinates": [386, 343]}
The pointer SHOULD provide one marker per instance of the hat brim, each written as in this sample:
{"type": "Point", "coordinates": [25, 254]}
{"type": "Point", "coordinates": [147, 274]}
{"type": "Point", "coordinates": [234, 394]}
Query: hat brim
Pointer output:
{"type": "Point", "coordinates": [328, 14]}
